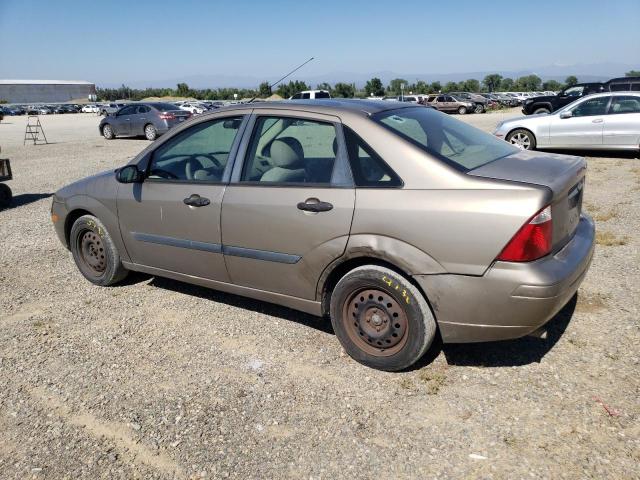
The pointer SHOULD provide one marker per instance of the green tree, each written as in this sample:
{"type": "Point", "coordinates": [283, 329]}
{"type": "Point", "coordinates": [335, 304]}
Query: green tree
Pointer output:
{"type": "Point", "coordinates": [395, 85]}
{"type": "Point", "coordinates": [435, 87]}
{"type": "Point", "coordinates": [632, 73]}
{"type": "Point", "coordinates": [551, 85]}
{"type": "Point", "coordinates": [264, 90]}
{"type": "Point", "coordinates": [374, 87]}
{"type": "Point", "coordinates": [344, 90]}
{"type": "Point", "coordinates": [324, 86]}
{"type": "Point", "coordinates": [421, 87]}
{"type": "Point", "coordinates": [571, 80]}
{"type": "Point", "coordinates": [450, 87]}
{"type": "Point", "coordinates": [285, 90]}
{"type": "Point", "coordinates": [492, 82]}
{"type": "Point", "coordinates": [182, 90]}
{"type": "Point", "coordinates": [528, 83]}
{"type": "Point", "coordinates": [506, 84]}
{"type": "Point", "coordinates": [471, 85]}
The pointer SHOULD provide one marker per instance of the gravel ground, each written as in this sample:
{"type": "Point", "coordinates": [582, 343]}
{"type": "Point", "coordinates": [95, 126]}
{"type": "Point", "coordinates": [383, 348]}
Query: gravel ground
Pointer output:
{"type": "Point", "coordinates": [157, 379]}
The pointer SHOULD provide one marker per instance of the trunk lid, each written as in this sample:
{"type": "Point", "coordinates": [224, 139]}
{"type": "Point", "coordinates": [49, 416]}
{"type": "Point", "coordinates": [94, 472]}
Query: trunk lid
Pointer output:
{"type": "Point", "coordinates": [563, 174]}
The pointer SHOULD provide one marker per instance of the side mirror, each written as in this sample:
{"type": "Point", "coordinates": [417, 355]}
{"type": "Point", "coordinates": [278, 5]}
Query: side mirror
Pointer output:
{"type": "Point", "coordinates": [129, 174]}
{"type": "Point", "coordinates": [566, 114]}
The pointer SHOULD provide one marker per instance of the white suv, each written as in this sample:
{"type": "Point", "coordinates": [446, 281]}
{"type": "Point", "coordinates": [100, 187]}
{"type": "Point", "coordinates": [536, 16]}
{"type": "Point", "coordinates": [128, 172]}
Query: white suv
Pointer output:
{"type": "Point", "coordinates": [310, 95]}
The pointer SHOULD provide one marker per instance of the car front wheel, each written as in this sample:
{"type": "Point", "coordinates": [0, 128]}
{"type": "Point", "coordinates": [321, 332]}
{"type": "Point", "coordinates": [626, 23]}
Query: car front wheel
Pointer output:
{"type": "Point", "coordinates": [381, 319]}
{"type": "Point", "coordinates": [479, 108]}
{"type": "Point", "coordinates": [107, 132]}
{"type": "Point", "coordinates": [95, 253]}
{"type": "Point", "coordinates": [462, 110]}
{"type": "Point", "coordinates": [523, 139]}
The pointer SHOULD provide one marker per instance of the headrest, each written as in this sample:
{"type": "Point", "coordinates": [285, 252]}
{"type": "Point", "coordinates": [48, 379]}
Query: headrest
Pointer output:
{"type": "Point", "coordinates": [286, 152]}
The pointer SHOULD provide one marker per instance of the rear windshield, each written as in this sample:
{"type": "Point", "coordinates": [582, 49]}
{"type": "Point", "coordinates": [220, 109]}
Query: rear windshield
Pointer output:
{"type": "Point", "coordinates": [456, 143]}
{"type": "Point", "coordinates": [164, 107]}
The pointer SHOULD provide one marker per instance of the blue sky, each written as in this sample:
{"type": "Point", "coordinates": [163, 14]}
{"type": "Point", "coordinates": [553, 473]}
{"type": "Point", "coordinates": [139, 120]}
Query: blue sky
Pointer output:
{"type": "Point", "coordinates": [117, 41]}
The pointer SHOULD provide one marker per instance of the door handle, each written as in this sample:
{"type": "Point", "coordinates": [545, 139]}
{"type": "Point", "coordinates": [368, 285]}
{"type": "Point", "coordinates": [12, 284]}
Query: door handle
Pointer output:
{"type": "Point", "coordinates": [314, 205]}
{"type": "Point", "coordinates": [196, 200]}
{"type": "Point", "coordinates": [597, 120]}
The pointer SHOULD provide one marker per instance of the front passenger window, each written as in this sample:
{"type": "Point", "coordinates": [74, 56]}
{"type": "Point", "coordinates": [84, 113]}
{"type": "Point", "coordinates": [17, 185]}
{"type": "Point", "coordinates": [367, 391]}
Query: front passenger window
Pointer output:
{"type": "Point", "coordinates": [199, 154]}
{"type": "Point", "coordinates": [595, 106]}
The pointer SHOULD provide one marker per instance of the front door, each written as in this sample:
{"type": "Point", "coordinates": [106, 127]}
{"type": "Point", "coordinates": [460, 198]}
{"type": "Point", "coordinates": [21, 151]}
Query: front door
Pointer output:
{"type": "Point", "coordinates": [583, 128]}
{"type": "Point", "coordinates": [122, 120]}
{"type": "Point", "coordinates": [287, 212]}
{"type": "Point", "coordinates": [171, 220]}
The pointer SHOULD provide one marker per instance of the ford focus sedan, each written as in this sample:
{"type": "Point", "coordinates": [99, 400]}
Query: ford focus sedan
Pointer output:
{"type": "Point", "coordinates": [394, 221]}
{"type": "Point", "coordinates": [603, 121]}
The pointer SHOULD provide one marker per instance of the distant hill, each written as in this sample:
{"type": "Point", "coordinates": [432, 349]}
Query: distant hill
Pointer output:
{"type": "Point", "coordinates": [585, 72]}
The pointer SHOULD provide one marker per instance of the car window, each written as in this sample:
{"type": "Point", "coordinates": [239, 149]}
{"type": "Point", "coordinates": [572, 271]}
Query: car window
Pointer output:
{"type": "Point", "coordinates": [594, 106]}
{"type": "Point", "coordinates": [620, 87]}
{"type": "Point", "coordinates": [369, 170]}
{"type": "Point", "coordinates": [198, 154]}
{"type": "Point", "coordinates": [456, 143]}
{"type": "Point", "coordinates": [291, 150]}
{"type": "Point", "coordinates": [127, 110]}
{"type": "Point", "coordinates": [323, 95]}
{"type": "Point", "coordinates": [142, 109]}
{"type": "Point", "coordinates": [297, 96]}
{"type": "Point", "coordinates": [440, 98]}
{"type": "Point", "coordinates": [573, 91]}
{"type": "Point", "coordinates": [306, 96]}
{"type": "Point", "coordinates": [624, 104]}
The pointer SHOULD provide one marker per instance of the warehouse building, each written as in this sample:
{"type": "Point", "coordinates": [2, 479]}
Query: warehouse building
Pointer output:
{"type": "Point", "coordinates": [46, 91]}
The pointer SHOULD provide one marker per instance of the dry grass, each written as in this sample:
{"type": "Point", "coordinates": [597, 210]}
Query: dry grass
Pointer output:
{"type": "Point", "coordinates": [609, 239]}
{"type": "Point", "coordinates": [434, 380]}
{"type": "Point", "coordinates": [599, 216]}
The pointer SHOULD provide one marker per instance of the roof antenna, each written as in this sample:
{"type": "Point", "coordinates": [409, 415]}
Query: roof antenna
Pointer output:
{"type": "Point", "coordinates": [292, 71]}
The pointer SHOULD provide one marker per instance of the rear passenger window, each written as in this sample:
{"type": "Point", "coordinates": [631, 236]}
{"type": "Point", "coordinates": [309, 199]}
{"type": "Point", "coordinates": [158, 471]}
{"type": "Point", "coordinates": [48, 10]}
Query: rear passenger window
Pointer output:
{"type": "Point", "coordinates": [291, 150]}
{"type": "Point", "coordinates": [369, 170]}
{"type": "Point", "coordinates": [624, 105]}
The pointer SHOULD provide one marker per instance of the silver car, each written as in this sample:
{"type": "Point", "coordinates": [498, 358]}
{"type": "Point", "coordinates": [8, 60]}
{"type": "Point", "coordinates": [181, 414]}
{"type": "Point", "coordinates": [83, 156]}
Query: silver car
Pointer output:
{"type": "Point", "coordinates": [602, 121]}
{"type": "Point", "coordinates": [394, 220]}
{"type": "Point", "coordinates": [148, 119]}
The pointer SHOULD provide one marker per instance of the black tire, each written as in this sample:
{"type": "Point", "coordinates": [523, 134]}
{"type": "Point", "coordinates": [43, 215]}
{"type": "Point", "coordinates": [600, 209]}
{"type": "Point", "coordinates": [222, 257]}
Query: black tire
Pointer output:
{"type": "Point", "coordinates": [5, 196]}
{"type": "Point", "coordinates": [541, 110]}
{"type": "Point", "coordinates": [107, 132]}
{"type": "Point", "coordinates": [479, 108]}
{"type": "Point", "coordinates": [462, 110]}
{"type": "Point", "coordinates": [94, 252]}
{"type": "Point", "coordinates": [522, 138]}
{"type": "Point", "coordinates": [150, 132]}
{"type": "Point", "coordinates": [381, 319]}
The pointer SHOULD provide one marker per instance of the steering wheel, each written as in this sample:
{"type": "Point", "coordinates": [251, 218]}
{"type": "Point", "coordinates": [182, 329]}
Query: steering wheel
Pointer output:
{"type": "Point", "coordinates": [163, 174]}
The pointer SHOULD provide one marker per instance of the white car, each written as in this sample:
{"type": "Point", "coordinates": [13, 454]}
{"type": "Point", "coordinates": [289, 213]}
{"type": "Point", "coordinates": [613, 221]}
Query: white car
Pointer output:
{"type": "Point", "coordinates": [310, 95]}
{"type": "Point", "coordinates": [602, 121]}
{"type": "Point", "coordinates": [192, 107]}
{"type": "Point", "coordinates": [90, 109]}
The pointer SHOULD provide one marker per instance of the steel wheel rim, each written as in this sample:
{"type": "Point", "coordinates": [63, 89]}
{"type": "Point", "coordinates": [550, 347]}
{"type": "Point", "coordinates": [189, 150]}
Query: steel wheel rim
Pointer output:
{"type": "Point", "coordinates": [375, 322]}
{"type": "Point", "coordinates": [521, 140]}
{"type": "Point", "coordinates": [92, 253]}
{"type": "Point", "coordinates": [107, 131]}
{"type": "Point", "coordinates": [149, 131]}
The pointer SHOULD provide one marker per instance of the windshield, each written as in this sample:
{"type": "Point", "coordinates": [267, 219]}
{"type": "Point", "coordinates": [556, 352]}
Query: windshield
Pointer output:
{"type": "Point", "coordinates": [456, 143]}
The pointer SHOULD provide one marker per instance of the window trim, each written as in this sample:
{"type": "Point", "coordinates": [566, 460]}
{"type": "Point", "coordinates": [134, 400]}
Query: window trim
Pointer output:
{"type": "Point", "coordinates": [341, 176]}
{"type": "Point", "coordinates": [226, 174]}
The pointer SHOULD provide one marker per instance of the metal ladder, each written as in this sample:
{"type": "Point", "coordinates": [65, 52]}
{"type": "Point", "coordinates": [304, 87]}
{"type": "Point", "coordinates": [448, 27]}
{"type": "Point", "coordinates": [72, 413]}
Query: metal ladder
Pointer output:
{"type": "Point", "coordinates": [34, 131]}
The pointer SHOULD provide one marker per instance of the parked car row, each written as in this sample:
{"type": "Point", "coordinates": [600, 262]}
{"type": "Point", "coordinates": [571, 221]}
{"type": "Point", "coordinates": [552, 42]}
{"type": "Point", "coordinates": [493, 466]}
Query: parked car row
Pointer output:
{"type": "Point", "coordinates": [39, 109]}
{"type": "Point", "coordinates": [552, 103]}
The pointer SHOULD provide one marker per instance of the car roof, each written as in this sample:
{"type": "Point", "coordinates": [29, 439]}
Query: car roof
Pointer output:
{"type": "Point", "coordinates": [327, 106]}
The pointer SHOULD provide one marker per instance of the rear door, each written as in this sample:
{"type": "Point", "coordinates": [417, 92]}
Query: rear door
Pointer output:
{"type": "Point", "coordinates": [584, 128]}
{"type": "Point", "coordinates": [288, 209]}
{"type": "Point", "coordinates": [622, 124]}
{"type": "Point", "coordinates": [139, 119]}
{"type": "Point", "coordinates": [171, 221]}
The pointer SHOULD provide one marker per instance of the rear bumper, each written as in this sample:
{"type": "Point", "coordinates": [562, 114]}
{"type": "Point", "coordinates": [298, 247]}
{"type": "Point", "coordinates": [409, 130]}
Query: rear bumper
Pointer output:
{"type": "Point", "coordinates": [510, 300]}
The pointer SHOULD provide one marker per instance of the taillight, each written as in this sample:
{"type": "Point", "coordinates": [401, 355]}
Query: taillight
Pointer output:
{"type": "Point", "coordinates": [532, 241]}
{"type": "Point", "coordinates": [167, 116]}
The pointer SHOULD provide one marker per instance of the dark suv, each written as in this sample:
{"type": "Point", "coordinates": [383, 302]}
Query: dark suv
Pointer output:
{"type": "Point", "coordinates": [548, 104]}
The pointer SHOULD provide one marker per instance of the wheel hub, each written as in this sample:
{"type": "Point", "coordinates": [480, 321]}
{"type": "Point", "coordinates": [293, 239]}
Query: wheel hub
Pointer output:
{"type": "Point", "coordinates": [376, 322]}
{"type": "Point", "coordinates": [93, 252]}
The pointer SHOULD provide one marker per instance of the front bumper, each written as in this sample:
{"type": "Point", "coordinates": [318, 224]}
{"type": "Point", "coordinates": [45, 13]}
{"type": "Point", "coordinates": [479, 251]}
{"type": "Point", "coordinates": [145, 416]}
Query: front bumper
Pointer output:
{"type": "Point", "coordinates": [510, 300]}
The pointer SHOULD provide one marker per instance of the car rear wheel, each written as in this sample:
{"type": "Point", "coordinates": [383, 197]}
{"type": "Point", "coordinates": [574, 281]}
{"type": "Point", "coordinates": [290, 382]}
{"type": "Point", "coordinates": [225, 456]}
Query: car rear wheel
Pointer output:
{"type": "Point", "coordinates": [522, 139]}
{"type": "Point", "coordinates": [5, 196]}
{"type": "Point", "coordinates": [95, 253]}
{"type": "Point", "coordinates": [150, 132]}
{"type": "Point", "coordinates": [107, 132]}
{"type": "Point", "coordinates": [541, 110]}
{"type": "Point", "coordinates": [462, 110]}
{"type": "Point", "coordinates": [381, 319]}
{"type": "Point", "coordinates": [479, 108]}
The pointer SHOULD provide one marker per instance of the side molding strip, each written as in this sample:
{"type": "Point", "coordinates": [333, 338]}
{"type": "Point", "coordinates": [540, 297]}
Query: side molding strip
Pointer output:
{"type": "Point", "coordinates": [217, 248]}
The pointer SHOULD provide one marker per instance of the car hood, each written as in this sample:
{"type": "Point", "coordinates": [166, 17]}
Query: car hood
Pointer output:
{"type": "Point", "coordinates": [89, 185]}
